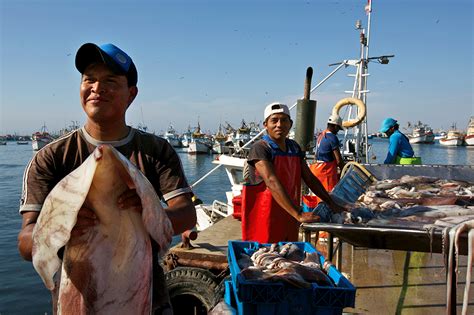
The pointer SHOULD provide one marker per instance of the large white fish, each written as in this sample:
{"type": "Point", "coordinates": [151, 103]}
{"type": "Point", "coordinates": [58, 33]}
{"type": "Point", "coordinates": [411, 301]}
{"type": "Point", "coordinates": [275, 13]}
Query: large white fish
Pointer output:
{"type": "Point", "coordinates": [108, 270]}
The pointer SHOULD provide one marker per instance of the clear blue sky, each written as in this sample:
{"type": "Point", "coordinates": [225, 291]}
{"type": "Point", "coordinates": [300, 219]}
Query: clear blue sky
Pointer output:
{"type": "Point", "coordinates": [225, 60]}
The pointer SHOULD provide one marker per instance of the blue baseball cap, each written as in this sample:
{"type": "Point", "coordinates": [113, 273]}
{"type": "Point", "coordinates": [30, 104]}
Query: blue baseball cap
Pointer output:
{"type": "Point", "coordinates": [387, 123]}
{"type": "Point", "coordinates": [115, 58]}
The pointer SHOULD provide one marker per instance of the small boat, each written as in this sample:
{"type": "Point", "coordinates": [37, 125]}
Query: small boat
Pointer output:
{"type": "Point", "coordinates": [469, 139]}
{"type": "Point", "coordinates": [199, 143]}
{"type": "Point", "coordinates": [453, 138]}
{"type": "Point", "coordinates": [41, 138]}
{"type": "Point", "coordinates": [22, 142]}
{"type": "Point", "coordinates": [186, 138]}
{"type": "Point", "coordinates": [208, 214]}
{"type": "Point", "coordinates": [172, 137]}
{"type": "Point", "coordinates": [242, 135]}
{"type": "Point", "coordinates": [440, 135]}
{"type": "Point", "coordinates": [3, 143]}
{"type": "Point", "coordinates": [421, 133]}
{"type": "Point", "coordinates": [220, 146]}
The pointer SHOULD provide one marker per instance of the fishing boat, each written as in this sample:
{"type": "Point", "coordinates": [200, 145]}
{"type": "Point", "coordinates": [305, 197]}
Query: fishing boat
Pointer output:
{"type": "Point", "coordinates": [22, 141]}
{"type": "Point", "coordinates": [421, 133]}
{"type": "Point", "coordinates": [41, 138]}
{"type": "Point", "coordinates": [208, 214]}
{"type": "Point", "coordinates": [469, 138]}
{"type": "Point", "coordinates": [203, 266]}
{"type": "Point", "coordinates": [172, 137]}
{"type": "Point", "coordinates": [355, 137]}
{"type": "Point", "coordinates": [199, 143]}
{"type": "Point", "coordinates": [454, 137]}
{"type": "Point", "coordinates": [440, 134]}
{"type": "Point", "coordinates": [186, 137]}
{"type": "Point", "coordinates": [242, 135]}
{"type": "Point", "coordinates": [220, 142]}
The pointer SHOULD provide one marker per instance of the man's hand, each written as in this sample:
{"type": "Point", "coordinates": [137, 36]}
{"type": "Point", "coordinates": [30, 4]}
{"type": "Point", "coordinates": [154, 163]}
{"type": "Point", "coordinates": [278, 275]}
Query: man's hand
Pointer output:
{"type": "Point", "coordinates": [86, 218]}
{"type": "Point", "coordinates": [308, 217]}
{"type": "Point", "coordinates": [130, 200]}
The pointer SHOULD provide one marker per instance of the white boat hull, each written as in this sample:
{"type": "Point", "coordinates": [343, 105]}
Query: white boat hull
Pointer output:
{"type": "Point", "coordinates": [469, 140]}
{"type": "Point", "coordinates": [428, 138]}
{"type": "Point", "coordinates": [196, 147]}
{"type": "Point", "coordinates": [420, 139]}
{"type": "Point", "coordinates": [451, 141]}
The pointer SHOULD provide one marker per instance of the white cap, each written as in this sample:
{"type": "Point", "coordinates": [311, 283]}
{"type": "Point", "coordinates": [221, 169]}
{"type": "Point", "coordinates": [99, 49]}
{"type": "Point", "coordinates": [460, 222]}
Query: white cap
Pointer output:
{"type": "Point", "coordinates": [335, 120]}
{"type": "Point", "coordinates": [275, 108]}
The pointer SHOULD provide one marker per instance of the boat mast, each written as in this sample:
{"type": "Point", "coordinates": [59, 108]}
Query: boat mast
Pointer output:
{"type": "Point", "coordinates": [355, 141]}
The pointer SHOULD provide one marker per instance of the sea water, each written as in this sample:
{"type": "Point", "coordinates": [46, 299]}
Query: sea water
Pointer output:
{"type": "Point", "coordinates": [21, 289]}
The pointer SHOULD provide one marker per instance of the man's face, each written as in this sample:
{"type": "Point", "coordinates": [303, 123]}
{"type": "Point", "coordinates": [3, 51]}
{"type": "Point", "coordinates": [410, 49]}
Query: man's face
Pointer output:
{"type": "Point", "coordinates": [278, 126]}
{"type": "Point", "coordinates": [105, 96]}
{"type": "Point", "coordinates": [390, 131]}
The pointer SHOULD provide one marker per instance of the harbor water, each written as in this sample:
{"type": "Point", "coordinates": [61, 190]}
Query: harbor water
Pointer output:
{"type": "Point", "coordinates": [21, 289]}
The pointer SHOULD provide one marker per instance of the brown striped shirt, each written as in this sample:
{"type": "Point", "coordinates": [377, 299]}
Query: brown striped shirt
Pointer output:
{"type": "Point", "coordinates": [153, 155]}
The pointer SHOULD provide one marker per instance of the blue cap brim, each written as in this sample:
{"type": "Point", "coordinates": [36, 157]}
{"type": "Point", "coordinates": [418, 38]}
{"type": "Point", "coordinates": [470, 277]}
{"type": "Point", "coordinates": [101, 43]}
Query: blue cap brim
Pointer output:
{"type": "Point", "coordinates": [117, 60]}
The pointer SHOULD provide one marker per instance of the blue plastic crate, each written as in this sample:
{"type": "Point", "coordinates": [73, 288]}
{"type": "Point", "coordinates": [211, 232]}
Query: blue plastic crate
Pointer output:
{"type": "Point", "coordinates": [257, 292]}
{"type": "Point", "coordinates": [352, 185]}
{"type": "Point", "coordinates": [295, 303]}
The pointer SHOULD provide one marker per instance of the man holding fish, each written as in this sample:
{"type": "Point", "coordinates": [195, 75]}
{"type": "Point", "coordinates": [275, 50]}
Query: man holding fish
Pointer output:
{"type": "Point", "coordinates": [271, 203]}
{"type": "Point", "coordinates": [108, 87]}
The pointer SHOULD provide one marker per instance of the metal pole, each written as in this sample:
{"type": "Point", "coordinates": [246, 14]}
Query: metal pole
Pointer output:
{"type": "Point", "coordinates": [365, 81]}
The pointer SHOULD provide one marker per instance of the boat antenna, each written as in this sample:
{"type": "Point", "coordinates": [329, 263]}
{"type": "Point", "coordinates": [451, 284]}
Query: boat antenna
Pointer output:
{"type": "Point", "coordinates": [359, 91]}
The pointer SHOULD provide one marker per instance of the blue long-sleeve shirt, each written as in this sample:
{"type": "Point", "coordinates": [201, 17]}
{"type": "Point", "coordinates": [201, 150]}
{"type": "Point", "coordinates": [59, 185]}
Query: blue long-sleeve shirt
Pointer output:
{"type": "Point", "coordinates": [399, 145]}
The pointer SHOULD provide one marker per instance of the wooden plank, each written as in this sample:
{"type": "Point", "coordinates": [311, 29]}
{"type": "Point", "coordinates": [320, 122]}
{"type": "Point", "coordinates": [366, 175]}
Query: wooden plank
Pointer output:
{"type": "Point", "coordinates": [211, 244]}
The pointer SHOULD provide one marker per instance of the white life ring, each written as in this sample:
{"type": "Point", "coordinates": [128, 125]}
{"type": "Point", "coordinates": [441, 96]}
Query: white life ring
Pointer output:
{"type": "Point", "coordinates": [361, 111]}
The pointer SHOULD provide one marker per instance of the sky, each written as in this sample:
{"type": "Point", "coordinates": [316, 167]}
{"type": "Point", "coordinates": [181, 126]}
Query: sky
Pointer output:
{"type": "Point", "coordinates": [224, 61]}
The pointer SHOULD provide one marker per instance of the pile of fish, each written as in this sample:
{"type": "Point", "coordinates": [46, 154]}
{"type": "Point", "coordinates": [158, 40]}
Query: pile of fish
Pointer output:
{"type": "Point", "coordinates": [411, 198]}
{"type": "Point", "coordinates": [417, 190]}
{"type": "Point", "coordinates": [287, 263]}
{"type": "Point", "coordinates": [427, 203]}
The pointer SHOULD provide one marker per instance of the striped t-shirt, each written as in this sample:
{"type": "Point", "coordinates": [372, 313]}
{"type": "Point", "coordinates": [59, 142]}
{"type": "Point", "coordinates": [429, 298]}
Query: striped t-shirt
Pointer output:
{"type": "Point", "coordinates": [153, 155]}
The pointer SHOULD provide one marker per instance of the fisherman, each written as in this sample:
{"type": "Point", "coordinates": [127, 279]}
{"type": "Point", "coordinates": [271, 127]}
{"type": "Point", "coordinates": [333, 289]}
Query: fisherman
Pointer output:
{"type": "Point", "coordinates": [328, 154]}
{"type": "Point", "coordinates": [271, 202]}
{"type": "Point", "coordinates": [108, 87]}
{"type": "Point", "coordinates": [399, 149]}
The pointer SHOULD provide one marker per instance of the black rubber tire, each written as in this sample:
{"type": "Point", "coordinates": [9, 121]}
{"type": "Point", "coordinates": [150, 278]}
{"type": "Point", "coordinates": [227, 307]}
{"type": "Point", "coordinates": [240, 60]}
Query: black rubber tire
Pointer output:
{"type": "Point", "coordinates": [196, 282]}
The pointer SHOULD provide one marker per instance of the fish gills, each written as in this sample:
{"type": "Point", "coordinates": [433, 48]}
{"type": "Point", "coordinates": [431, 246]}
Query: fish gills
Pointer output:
{"type": "Point", "coordinates": [107, 270]}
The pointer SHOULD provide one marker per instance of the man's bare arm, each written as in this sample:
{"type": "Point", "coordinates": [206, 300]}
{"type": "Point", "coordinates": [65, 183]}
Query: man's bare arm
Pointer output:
{"type": "Point", "coordinates": [25, 239]}
{"type": "Point", "coordinates": [339, 160]}
{"type": "Point", "coordinates": [182, 213]}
